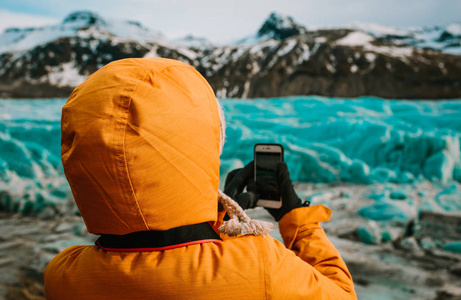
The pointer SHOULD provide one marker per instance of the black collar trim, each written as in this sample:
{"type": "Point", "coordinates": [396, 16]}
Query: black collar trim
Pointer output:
{"type": "Point", "coordinates": [154, 240]}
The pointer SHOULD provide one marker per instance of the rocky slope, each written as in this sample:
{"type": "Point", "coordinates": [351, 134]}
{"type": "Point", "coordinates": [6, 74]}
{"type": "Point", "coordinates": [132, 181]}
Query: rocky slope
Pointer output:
{"type": "Point", "coordinates": [283, 58]}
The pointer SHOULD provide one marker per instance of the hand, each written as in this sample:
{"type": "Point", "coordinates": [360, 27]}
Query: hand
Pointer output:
{"type": "Point", "coordinates": [236, 181]}
{"type": "Point", "coordinates": [290, 199]}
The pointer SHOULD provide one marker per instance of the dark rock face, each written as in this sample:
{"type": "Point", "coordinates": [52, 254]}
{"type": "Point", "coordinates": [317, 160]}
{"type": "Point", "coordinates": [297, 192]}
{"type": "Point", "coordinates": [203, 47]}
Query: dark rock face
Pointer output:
{"type": "Point", "coordinates": [288, 60]}
{"type": "Point", "coordinates": [84, 18]}
{"type": "Point", "coordinates": [280, 28]}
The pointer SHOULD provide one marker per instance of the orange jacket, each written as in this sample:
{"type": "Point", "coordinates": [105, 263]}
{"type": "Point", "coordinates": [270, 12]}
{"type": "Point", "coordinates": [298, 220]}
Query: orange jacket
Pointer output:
{"type": "Point", "coordinates": [140, 149]}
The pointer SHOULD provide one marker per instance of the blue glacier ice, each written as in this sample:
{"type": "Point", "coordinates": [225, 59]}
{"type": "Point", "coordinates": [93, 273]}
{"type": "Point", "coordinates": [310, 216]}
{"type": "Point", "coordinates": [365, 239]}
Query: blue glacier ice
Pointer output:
{"type": "Point", "coordinates": [362, 140]}
{"type": "Point", "coordinates": [30, 137]}
{"type": "Point", "coordinates": [398, 195]}
{"type": "Point", "coordinates": [383, 211]}
{"type": "Point", "coordinates": [453, 247]}
{"type": "Point", "coordinates": [365, 140]}
{"type": "Point", "coordinates": [449, 199]}
{"type": "Point", "coordinates": [326, 140]}
{"type": "Point", "coordinates": [370, 233]}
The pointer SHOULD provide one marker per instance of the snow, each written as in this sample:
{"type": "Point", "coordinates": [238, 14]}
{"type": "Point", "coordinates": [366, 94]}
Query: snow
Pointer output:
{"type": "Point", "coordinates": [356, 38]}
{"type": "Point", "coordinates": [221, 92]}
{"type": "Point", "coordinates": [64, 75]}
{"type": "Point", "coordinates": [257, 49]}
{"type": "Point", "coordinates": [192, 55]}
{"type": "Point", "coordinates": [220, 58]}
{"type": "Point", "coordinates": [391, 51]}
{"type": "Point", "coordinates": [254, 69]}
{"type": "Point", "coordinates": [361, 39]}
{"type": "Point", "coordinates": [371, 57]}
{"type": "Point", "coordinates": [427, 37]}
{"type": "Point", "coordinates": [238, 52]}
{"type": "Point", "coordinates": [305, 54]}
{"type": "Point", "coordinates": [379, 30]}
{"type": "Point", "coordinates": [320, 39]}
{"type": "Point", "coordinates": [246, 89]}
{"type": "Point", "coordinates": [152, 52]}
{"type": "Point", "coordinates": [364, 40]}
{"type": "Point", "coordinates": [403, 41]}
{"type": "Point", "coordinates": [285, 49]}
{"type": "Point", "coordinates": [76, 24]}
{"type": "Point", "coordinates": [330, 68]}
{"type": "Point", "coordinates": [454, 29]}
{"type": "Point", "coordinates": [192, 41]}
{"type": "Point", "coordinates": [453, 51]}
{"type": "Point", "coordinates": [24, 39]}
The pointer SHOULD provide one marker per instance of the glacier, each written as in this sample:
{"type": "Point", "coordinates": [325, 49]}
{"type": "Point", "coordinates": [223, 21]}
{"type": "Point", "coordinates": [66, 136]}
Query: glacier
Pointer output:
{"type": "Point", "coordinates": [364, 141]}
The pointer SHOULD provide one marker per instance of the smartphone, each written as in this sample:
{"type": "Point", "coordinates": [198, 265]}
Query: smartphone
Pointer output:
{"type": "Point", "coordinates": [266, 158]}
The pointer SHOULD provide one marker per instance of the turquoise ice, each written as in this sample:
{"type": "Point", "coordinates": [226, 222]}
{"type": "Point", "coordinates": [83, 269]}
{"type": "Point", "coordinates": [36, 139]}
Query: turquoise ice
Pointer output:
{"type": "Point", "coordinates": [326, 140]}
{"type": "Point", "coordinates": [364, 140]}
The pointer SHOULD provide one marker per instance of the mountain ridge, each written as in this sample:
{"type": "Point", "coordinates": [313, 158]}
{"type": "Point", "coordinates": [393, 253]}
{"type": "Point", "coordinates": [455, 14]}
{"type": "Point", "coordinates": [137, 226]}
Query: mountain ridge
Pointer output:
{"type": "Point", "coordinates": [283, 58]}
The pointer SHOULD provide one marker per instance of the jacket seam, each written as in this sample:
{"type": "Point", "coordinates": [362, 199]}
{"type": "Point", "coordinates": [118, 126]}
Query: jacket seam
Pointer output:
{"type": "Point", "coordinates": [124, 151]}
{"type": "Point", "coordinates": [266, 270]}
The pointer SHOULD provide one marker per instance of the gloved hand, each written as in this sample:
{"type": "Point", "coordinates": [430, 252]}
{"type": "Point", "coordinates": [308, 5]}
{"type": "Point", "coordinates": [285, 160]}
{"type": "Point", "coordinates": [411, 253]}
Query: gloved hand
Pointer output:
{"type": "Point", "coordinates": [236, 181]}
{"type": "Point", "coordinates": [289, 198]}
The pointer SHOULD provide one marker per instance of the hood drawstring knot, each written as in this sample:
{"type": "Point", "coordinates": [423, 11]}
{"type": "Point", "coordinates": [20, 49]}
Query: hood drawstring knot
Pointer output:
{"type": "Point", "coordinates": [239, 222]}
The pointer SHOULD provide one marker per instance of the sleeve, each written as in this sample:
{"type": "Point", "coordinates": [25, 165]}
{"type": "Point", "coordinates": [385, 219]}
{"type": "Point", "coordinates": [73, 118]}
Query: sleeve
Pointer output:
{"type": "Point", "coordinates": [314, 267]}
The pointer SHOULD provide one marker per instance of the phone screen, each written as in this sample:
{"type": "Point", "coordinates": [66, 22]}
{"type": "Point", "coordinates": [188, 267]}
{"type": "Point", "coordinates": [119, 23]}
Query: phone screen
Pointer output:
{"type": "Point", "coordinates": [266, 181]}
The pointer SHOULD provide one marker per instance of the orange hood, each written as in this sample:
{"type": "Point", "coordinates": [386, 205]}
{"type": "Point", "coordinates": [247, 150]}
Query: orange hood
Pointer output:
{"type": "Point", "coordinates": [140, 147]}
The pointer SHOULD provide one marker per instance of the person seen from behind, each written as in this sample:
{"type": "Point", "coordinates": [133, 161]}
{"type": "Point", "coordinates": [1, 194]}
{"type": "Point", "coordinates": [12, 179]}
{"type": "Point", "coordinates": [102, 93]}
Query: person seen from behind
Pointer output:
{"type": "Point", "coordinates": [141, 141]}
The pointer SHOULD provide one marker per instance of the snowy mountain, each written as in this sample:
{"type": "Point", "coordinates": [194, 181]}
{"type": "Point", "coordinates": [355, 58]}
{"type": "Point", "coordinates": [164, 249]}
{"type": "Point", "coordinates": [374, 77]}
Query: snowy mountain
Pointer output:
{"type": "Point", "coordinates": [276, 27]}
{"type": "Point", "coordinates": [78, 24]}
{"type": "Point", "coordinates": [332, 62]}
{"type": "Point", "coordinates": [283, 58]}
{"type": "Point", "coordinates": [51, 60]}
{"type": "Point", "coordinates": [192, 41]}
{"type": "Point", "coordinates": [445, 39]}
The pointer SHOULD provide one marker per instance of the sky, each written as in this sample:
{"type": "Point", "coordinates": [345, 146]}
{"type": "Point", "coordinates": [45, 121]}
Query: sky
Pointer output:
{"type": "Point", "coordinates": [223, 21]}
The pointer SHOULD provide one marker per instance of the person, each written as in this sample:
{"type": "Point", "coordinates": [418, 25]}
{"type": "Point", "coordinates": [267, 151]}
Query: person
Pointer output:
{"type": "Point", "coordinates": [141, 143]}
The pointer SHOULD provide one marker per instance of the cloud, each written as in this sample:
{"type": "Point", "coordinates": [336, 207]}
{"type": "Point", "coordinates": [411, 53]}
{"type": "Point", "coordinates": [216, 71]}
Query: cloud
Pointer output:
{"type": "Point", "coordinates": [11, 19]}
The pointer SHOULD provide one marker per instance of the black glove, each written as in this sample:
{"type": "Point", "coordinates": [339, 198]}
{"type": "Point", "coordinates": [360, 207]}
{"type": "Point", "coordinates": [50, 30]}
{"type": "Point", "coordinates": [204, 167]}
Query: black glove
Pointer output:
{"type": "Point", "coordinates": [289, 198]}
{"type": "Point", "coordinates": [236, 181]}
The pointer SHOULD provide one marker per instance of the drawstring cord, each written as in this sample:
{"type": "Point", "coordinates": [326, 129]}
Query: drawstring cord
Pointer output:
{"type": "Point", "coordinates": [239, 222]}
